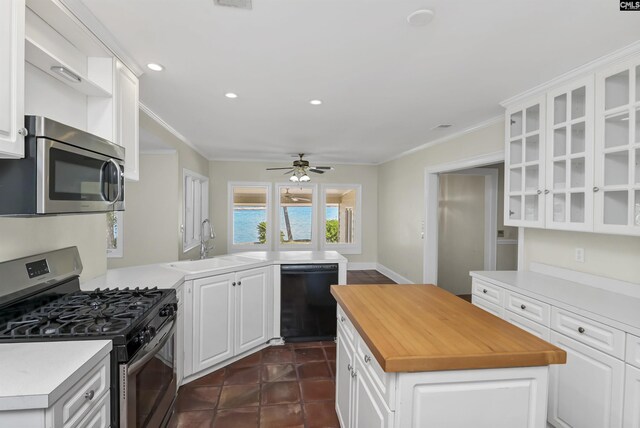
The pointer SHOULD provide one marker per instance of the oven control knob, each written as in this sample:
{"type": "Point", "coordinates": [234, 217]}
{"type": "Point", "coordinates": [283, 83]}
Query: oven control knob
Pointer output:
{"type": "Point", "coordinates": [167, 310]}
{"type": "Point", "coordinates": [152, 332]}
{"type": "Point", "coordinates": [145, 336]}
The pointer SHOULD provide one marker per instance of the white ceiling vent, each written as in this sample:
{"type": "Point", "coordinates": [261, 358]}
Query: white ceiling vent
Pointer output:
{"type": "Point", "coordinates": [240, 4]}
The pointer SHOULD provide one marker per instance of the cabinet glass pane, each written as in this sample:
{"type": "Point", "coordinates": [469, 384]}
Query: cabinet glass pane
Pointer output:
{"type": "Point", "coordinates": [533, 118]}
{"type": "Point", "coordinates": [560, 109]}
{"type": "Point", "coordinates": [515, 180]}
{"type": "Point", "coordinates": [616, 207]}
{"type": "Point", "coordinates": [559, 175]}
{"type": "Point", "coordinates": [636, 209]}
{"type": "Point", "coordinates": [616, 90]}
{"type": "Point", "coordinates": [515, 150]}
{"type": "Point", "coordinates": [532, 148]}
{"type": "Point", "coordinates": [577, 172]}
{"type": "Point", "coordinates": [637, 168]}
{"type": "Point", "coordinates": [577, 138]}
{"type": "Point", "coordinates": [531, 178]}
{"type": "Point", "coordinates": [616, 130]}
{"type": "Point", "coordinates": [516, 124]}
{"type": "Point", "coordinates": [559, 206]}
{"type": "Point", "coordinates": [577, 208]}
{"type": "Point", "coordinates": [515, 207]}
{"type": "Point", "coordinates": [578, 102]}
{"type": "Point", "coordinates": [531, 207]}
{"type": "Point", "coordinates": [616, 168]}
{"type": "Point", "coordinates": [560, 142]}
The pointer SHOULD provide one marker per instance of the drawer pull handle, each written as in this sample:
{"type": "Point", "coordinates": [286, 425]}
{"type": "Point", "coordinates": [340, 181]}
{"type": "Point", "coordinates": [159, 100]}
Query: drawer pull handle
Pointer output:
{"type": "Point", "coordinates": [341, 319]}
{"type": "Point", "coordinates": [89, 395]}
{"type": "Point", "coordinates": [367, 359]}
{"type": "Point", "coordinates": [523, 307]}
{"type": "Point", "coordinates": [484, 290]}
{"type": "Point", "coordinates": [580, 330]}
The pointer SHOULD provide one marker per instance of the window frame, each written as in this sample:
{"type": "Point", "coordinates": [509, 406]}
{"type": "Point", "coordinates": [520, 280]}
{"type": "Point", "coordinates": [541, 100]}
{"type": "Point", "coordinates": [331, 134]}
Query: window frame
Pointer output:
{"type": "Point", "coordinates": [231, 247]}
{"type": "Point", "coordinates": [190, 244]}
{"type": "Point", "coordinates": [118, 252]}
{"type": "Point", "coordinates": [313, 245]}
{"type": "Point", "coordinates": [354, 247]}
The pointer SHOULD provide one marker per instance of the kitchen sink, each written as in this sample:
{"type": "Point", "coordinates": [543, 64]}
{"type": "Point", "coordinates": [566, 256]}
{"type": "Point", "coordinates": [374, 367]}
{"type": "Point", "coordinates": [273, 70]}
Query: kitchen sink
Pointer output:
{"type": "Point", "coordinates": [204, 265]}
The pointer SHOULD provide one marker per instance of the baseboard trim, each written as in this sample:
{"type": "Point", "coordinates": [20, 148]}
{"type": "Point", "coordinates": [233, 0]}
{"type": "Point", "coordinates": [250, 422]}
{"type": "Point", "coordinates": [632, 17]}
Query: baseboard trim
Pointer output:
{"type": "Point", "coordinates": [362, 266]}
{"type": "Point", "coordinates": [393, 275]}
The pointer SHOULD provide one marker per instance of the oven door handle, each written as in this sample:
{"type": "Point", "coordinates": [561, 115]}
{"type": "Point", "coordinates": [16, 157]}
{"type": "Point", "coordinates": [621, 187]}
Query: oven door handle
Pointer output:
{"type": "Point", "coordinates": [151, 349]}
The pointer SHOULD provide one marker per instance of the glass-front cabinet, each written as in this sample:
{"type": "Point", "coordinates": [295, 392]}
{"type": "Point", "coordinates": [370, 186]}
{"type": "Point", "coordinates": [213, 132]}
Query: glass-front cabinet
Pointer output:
{"type": "Point", "coordinates": [569, 160]}
{"type": "Point", "coordinates": [617, 154]}
{"type": "Point", "coordinates": [524, 175]}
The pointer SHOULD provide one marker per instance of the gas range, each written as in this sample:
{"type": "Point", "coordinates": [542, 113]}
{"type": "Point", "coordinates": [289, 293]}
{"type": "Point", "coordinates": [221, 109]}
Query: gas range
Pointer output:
{"type": "Point", "coordinates": [41, 300]}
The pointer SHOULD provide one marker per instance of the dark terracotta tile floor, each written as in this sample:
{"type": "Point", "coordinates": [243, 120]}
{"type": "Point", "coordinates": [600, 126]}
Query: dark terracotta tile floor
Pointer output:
{"type": "Point", "coordinates": [280, 387]}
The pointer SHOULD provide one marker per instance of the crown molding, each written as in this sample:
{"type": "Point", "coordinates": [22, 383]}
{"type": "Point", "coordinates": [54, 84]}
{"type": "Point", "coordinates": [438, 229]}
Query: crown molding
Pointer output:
{"type": "Point", "coordinates": [171, 129]}
{"type": "Point", "coordinates": [441, 140]}
{"type": "Point", "coordinates": [263, 160]}
{"type": "Point", "coordinates": [158, 152]}
{"type": "Point", "coordinates": [619, 55]}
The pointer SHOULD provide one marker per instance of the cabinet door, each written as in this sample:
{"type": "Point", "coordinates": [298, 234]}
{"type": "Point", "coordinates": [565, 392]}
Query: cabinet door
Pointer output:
{"type": "Point", "coordinates": [12, 78]}
{"type": "Point", "coordinates": [213, 302]}
{"type": "Point", "coordinates": [251, 309]}
{"type": "Point", "coordinates": [569, 159]}
{"type": "Point", "coordinates": [344, 367]}
{"type": "Point", "coordinates": [127, 113]}
{"type": "Point", "coordinates": [632, 397]}
{"type": "Point", "coordinates": [369, 408]}
{"type": "Point", "coordinates": [617, 154]}
{"type": "Point", "coordinates": [587, 391]}
{"type": "Point", "coordinates": [524, 164]}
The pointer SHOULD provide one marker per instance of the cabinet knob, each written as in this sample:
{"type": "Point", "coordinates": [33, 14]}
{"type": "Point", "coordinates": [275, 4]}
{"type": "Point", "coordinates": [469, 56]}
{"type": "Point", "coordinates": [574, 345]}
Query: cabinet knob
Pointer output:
{"type": "Point", "coordinates": [341, 319]}
{"type": "Point", "coordinates": [546, 191]}
{"type": "Point", "coordinates": [511, 212]}
{"type": "Point", "coordinates": [539, 192]}
{"type": "Point", "coordinates": [354, 373]}
{"type": "Point", "coordinates": [233, 283]}
{"type": "Point", "coordinates": [595, 189]}
{"type": "Point", "coordinates": [349, 367]}
{"type": "Point", "coordinates": [239, 282]}
{"type": "Point", "coordinates": [367, 359]}
{"type": "Point", "coordinates": [89, 395]}
{"type": "Point", "coordinates": [484, 291]}
{"type": "Point", "coordinates": [523, 307]}
{"type": "Point", "coordinates": [23, 132]}
{"type": "Point", "coordinates": [580, 330]}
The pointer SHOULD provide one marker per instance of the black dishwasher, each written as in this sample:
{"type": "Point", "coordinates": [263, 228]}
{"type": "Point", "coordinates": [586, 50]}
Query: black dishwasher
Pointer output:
{"type": "Point", "coordinates": [308, 310]}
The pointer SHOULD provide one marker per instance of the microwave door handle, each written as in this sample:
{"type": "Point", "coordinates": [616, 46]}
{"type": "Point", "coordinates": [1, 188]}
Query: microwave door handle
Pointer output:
{"type": "Point", "coordinates": [119, 183]}
{"type": "Point", "coordinates": [138, 363]}
{"type": "Point", "coordinates": [103, 183]}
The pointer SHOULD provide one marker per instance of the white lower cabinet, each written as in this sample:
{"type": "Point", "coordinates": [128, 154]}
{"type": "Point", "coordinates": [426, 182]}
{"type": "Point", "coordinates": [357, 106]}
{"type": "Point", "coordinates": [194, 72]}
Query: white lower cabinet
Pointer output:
{"type": "Point", "coordinates": [370, 411]}
{"type": "Point", "coordinates": [225, 315]}
{"type": "Point", "coordinates": [344, 366]}
{"type": "Point", "coordinates": [631, 397]}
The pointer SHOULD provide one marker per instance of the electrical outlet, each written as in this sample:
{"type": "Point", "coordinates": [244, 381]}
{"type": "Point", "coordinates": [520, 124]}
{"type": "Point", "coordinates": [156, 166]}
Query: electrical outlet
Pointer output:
{"type": "Point", "coordinates": [580, 255]}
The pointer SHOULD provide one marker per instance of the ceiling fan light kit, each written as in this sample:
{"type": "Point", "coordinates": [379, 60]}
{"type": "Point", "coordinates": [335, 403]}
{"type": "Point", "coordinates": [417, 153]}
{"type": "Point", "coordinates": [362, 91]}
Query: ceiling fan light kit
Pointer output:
{"type": "Point", "coordinates": [300, 168]}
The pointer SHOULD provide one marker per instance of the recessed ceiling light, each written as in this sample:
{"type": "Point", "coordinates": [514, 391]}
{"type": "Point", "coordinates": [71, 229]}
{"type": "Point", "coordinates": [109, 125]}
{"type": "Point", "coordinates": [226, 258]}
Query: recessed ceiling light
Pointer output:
{"type": "Point", "coordinates": [155, 67]}
{"type": "Point", "coordinates": [420, 17]}
{"type": "Point", "coordinates": [231, 95]}
{"type": "Point", "coordinates": [315, 102]}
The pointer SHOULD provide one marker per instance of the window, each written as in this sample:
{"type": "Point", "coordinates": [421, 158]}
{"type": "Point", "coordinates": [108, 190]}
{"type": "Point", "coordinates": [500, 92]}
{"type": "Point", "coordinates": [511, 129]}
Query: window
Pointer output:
{"type": "Point", "coordinates": [249, 220]}
{"type": "Point", "coordinates": [195, 208]}
{"type": "Point", "coordinates": [296, 216]}
{"type": "Point", "coordinates": [341, 218]}
{"type": "Point", "coordinates": [115, 229]}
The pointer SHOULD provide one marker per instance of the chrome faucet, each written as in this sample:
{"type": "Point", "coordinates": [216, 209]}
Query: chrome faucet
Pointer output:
{"type": "Point", "coordinates": [204, 248]}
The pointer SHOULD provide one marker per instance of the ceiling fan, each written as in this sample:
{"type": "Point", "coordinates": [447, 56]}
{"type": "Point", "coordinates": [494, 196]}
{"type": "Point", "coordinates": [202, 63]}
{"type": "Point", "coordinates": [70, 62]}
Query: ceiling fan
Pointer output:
{"type": "Point", "coordinates": [288, 197]}
{"type": "Point", "coordinates": [300, 168]}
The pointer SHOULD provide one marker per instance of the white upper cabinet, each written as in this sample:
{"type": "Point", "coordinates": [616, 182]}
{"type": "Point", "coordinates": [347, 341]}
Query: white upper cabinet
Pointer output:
{"type": "Point", "coordinates": [12, 130]}
{"type": "Point", "coordinates": [569, 176]}
{"type": "Point", "coordinates": [617, 159]}
{"type": "Point", "coordinates": [525, 165]}
{"type": "Point", "coordinates": [127, 113]}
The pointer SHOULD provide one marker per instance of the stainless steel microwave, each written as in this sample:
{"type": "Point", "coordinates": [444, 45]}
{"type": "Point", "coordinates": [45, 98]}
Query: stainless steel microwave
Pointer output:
{"type": "Point", "coordinates": [65, 170]}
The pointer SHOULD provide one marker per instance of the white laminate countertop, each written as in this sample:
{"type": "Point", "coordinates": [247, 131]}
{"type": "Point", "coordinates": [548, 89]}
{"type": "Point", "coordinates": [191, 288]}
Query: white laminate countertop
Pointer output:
{"type": "Point", "coordinates": [34, 375]}
{"type": "Point", "coordinates": [615, 309]}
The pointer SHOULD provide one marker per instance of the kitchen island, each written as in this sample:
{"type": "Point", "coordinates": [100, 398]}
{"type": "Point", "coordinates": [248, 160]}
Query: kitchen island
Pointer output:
{"type": "Point", "coordinates": [418, 356]}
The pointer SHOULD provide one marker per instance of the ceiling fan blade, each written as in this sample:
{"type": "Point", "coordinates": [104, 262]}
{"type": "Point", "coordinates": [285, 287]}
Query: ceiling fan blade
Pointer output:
{"type": "Point", "coordinates": [328, 168]}
{"type": "Point", "coordinates": [317, 171]}
{"type": "Point", "coordinates": [288, 172]}
{"type": "Point", "coordinates": [274, 169]}
{"type": "Point", "coordinates": [300, 199]}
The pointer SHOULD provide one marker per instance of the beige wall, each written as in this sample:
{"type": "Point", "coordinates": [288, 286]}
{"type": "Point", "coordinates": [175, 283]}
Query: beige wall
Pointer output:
{"type": "Point", "coordinates": [222, 172]}
{"type": "Point", "coordinates": [187, 158]}
{"type": "Point", "coordinates": [151, 217]}
{"type": "Point", "coordinates": [20, 237]}
{"type": "Point", "coordinates": [401, 197]}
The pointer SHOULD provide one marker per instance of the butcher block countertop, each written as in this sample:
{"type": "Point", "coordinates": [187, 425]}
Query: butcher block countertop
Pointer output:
{"type": "Point", "coordinates": [413, 328]}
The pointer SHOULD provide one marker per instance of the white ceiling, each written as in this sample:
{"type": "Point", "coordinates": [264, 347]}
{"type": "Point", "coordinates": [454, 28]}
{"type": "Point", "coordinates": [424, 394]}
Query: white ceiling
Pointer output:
{"type": "Point", "coordinates": [384, 84]}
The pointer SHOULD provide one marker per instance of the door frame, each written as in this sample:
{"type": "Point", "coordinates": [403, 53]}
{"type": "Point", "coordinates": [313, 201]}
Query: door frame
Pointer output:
{"type": "Point", "coordinates": [431, 200]}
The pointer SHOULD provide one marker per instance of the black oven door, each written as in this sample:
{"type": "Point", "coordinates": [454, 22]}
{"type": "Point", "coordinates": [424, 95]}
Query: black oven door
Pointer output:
{"type": "Point", "coordinates": [148, 382]}
{"type": "Point", "coordinates": [71, 179]}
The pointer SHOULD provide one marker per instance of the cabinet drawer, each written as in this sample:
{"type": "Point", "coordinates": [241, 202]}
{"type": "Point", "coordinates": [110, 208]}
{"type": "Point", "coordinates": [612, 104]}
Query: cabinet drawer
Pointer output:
{"type": "Point", "coordinates": [487, 291]}
{"type": "Point", "coordinates": [345, 322]}
{"type": "Point", "coordinates": [633, 350]}
{"type": "Point", "coordinates": [487, 306]}
{"type": "Point", "coordinates": [81, 399]}
{"type": "Point", "coordinates": [99, 416]}
{"type": "Point", "coordinates": [383, 382]}
{"type": "Point", "coordinates": [527, 325]}
{"type": "Point", "coordinates": [592, 333]}
{"type": "Point", "coordinates": [528, 308]}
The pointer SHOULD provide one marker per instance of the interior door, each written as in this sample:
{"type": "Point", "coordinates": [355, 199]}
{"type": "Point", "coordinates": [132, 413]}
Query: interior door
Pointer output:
{"type": "Point", "coordinates": [251, 309]}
